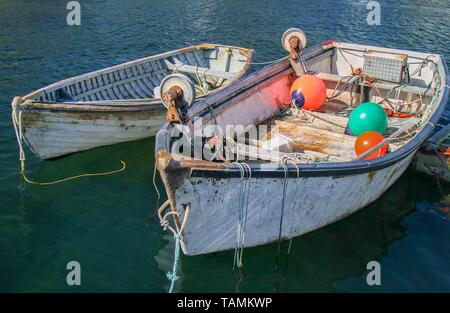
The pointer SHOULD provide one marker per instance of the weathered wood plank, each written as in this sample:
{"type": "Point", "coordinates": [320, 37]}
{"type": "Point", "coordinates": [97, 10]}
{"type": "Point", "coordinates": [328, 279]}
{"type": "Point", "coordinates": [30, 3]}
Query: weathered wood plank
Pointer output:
{"type": "Point", "coordinates": [119, 81]}
{"type": "Point", "coordinates": [99, 96]}
{"type": "Point", "coordinates": [191, 59]}
{"type": "Point", "coordinates": [88, 83]}
{"type": "Point", "coordinates": [124, 92]}
{"type": "Point", "coordinates": [147, 82]}
{"type": "Point", "coordinates": [139, 89]}
{"type": "Point", "coordinates": [183, 59]}
{"type": "Point", "coordinates": [200, 60]}
{"type": "Point", "coordinates": [153, 66]}
{"type": "Point", "coordinates": [201, 70]}
{"type": "Point", "coordinates": [105, 95]}
{"type": "Point", "coordinates": [129, 88]}
{"type": "Point", "coordinates": [318, 140]}
{"type": "Point", "coordinates": [154, 79]}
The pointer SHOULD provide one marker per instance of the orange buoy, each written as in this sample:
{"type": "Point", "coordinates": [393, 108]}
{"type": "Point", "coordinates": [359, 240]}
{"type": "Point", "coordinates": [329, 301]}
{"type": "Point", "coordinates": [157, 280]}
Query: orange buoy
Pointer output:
{"type": "Point", "coordinates": [368, 140]}
{"type": "Point", "coordinates": [308, 92]}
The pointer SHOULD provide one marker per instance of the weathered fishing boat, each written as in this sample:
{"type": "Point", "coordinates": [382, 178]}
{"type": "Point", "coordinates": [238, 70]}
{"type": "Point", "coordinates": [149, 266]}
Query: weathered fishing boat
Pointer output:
{"type": "Point", "coordinates": [433, 158]}
{"type": "Point", "coordinates": [227, 190]}
{"type": "Point", "coordinates": [120, 103]}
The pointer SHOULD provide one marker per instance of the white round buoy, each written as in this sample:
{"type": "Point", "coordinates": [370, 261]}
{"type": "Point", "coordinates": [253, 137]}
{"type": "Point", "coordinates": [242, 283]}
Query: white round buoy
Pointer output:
{"type": "Point", "coordinates": [181, 81]}
{"type": "Point", "coordinates": [293, 32]}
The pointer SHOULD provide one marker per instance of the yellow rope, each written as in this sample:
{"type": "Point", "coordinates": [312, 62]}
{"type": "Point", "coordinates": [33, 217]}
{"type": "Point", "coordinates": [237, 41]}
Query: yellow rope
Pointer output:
{"type": "Point", "coordinates": [22, 164]}
{"type": "Point", "coordinates": [200, 81]}
{"type": "Point", "coordinates": [17, 122]}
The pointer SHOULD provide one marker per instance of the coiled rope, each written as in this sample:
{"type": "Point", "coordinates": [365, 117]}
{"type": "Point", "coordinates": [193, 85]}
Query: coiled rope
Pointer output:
{"type": "Point", "coordinates": [17, 122]}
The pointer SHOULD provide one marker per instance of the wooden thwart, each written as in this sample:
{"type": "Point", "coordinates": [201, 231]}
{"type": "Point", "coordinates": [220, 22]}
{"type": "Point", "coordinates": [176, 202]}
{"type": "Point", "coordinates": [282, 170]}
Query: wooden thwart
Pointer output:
{"type": "Point", "coordinates": [196, 69]}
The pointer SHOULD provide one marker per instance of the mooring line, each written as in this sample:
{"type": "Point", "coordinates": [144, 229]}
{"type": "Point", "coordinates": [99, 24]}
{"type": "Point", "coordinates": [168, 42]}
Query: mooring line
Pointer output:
{"type": "Point", "coordinates": [280, 229]}
{"type": "Point", "coordinates": [17, 123]}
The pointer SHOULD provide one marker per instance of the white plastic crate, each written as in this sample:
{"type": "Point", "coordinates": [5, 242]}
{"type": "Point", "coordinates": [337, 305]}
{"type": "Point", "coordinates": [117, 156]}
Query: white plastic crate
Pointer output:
{"type": "Point", "coordinates": [385, 66]}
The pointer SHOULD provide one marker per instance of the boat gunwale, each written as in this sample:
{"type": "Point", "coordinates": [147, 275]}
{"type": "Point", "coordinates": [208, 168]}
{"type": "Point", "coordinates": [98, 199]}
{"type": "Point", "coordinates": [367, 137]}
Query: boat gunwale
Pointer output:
{"type": "Point", "coordinates": [112, 110]}
{"type": "Point", "coordinates": [274, 170]}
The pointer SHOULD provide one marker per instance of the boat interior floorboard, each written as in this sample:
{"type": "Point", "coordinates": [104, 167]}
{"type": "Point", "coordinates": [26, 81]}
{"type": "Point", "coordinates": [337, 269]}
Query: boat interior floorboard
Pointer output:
{"type": "Point", "coordinates": [315, 135]}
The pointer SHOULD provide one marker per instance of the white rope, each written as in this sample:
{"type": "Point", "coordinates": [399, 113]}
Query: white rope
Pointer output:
{"type": "Point", "coordinates": [154, 181]}
{"type": "Point", "coordinates": [293, 217]}
{"type": "Point", "coordinates": [242, 212]}
{"type": "Point", "coordinates": [241, 202]}
{"type": "Point", "coordinates": [280, 230]}
{"type": "Point", "coordinates": [282, 203]}
{"type": "Point", "coordinates": [229, 231]}
{"type": "Point", "coordinates": [155, 186]}
{"type": "Point", "coordinates": [17, 123]}
{"type": "Point", "coordinates": [399, 90]}
{"type": "Point", "coordinates": [160, 131]}
{"type": "Point", "coordinates": [176, 67]}
{"type": "Point", "coordinates": [434, 98]}
{"type": "Point", "coordinates": [163, 220]}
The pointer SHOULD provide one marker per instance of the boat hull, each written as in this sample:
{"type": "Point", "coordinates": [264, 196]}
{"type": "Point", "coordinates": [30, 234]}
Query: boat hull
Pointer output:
{"type": "Point", "coordinates": [309, 204]}
{"type": "Point", "coordinates": [205, 197]}
{"type": "Point", "coordinates": [52, 134]}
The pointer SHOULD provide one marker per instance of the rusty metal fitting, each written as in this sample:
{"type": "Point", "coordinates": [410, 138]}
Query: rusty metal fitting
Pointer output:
{"type": "Point", "coordinates": [357, 71]}
{"type": "Point", "coordinates": [173, 94]}
{"type": "Point", "coordinates": [293, 43]}
{"type": "Point", "coordinates": [172, 98]}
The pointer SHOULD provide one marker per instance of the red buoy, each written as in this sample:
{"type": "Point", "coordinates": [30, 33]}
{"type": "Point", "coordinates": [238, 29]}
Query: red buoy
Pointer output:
{"type": "Point", "coordinates": [308, 92]}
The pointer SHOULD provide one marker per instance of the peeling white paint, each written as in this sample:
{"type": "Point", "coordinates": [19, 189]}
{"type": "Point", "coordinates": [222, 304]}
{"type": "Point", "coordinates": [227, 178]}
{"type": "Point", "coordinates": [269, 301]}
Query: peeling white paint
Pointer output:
{"type": "Point", "coordinates": [310, 203]}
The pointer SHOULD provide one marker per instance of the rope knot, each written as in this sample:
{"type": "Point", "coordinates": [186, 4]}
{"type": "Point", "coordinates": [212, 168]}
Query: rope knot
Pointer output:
{"type": "Point", "coordinates": [172, 276]}
{"type": "Point", "coordinates": [164, 224]}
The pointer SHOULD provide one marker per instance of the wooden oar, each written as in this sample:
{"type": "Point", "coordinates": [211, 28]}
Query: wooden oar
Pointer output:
{"type": "Point", "coordinates": [405, 127]}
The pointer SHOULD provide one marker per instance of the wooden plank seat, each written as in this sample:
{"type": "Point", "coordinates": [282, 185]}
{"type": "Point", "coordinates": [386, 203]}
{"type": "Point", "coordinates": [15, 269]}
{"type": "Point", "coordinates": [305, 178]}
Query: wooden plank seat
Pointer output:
{"type": "Point", "coordinates": [198, 69]}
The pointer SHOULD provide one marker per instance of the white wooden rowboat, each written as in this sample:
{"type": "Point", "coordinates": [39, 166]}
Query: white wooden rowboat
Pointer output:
{"type": "Point", "coordinates": [120, 103]}
{"type": "Point", "coordinates": [217, 205]}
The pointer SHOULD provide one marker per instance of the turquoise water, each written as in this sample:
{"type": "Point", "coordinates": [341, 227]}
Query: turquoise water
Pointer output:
{"type": "Point", "coordinates": [108, 224]}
